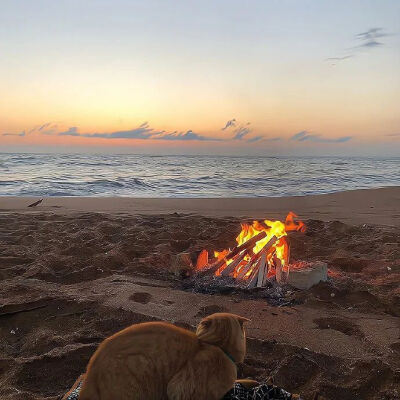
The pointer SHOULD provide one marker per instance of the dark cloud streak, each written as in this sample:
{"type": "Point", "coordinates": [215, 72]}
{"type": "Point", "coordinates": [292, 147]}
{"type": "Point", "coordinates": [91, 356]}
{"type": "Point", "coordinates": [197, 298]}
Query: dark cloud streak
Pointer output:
{"type": "Point", "coordinates": [372, 33]}
{"type": "Point", "coordinates": [73, 131]}
{"type": "Point", "coordinates": [304, 136]}
{"type": "Point", "coordinates": [21, 134]}
{"type": "Point", "coordinates": [143, 132]}
{"type": "Point", "coordinates": [230, 123]}
{"type": "Point", "coordinates": [241, 132]}
{"type": "Point", "coordinates": [184, 136]}
{"type": "Point", "coordinates": [368, 41]}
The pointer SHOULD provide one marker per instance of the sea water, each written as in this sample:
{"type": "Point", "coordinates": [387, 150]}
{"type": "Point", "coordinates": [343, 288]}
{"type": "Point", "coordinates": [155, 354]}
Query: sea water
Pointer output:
{"type": "Point", "coordinates": [189, 176]}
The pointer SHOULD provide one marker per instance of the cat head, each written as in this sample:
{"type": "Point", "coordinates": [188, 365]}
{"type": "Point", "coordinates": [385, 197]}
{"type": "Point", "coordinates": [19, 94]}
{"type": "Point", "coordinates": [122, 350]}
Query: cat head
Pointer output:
{"type": "Point", "coordinates": [225, 331]}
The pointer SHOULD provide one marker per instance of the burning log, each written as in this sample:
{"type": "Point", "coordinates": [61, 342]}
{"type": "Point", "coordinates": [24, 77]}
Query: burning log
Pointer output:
{"type": "Point", "coordinates": [247, 245]}
{"type": "Point", "coordinates": [253, 259]}
{"type": "Point", "coordinates": [248, 266]}
{"type": "Point", "coordinates": [238, 249]}
{"type": "Point", "coordinates": [260, 272]}
{"type": "Point", "coordinates": [213, 268]}
{"type": "Point", "coordinates": [278, 270]}
{"type": "Point", "coordinates": [231, 267]}
{"type": "Point", "coordinates": [262, 269]}
{"type": "Point", "coordinates": [253, 279]}
{"type": "Point", "coordinates": [202, 260]}
{"type": "Point", "coordinates": [244, 270]}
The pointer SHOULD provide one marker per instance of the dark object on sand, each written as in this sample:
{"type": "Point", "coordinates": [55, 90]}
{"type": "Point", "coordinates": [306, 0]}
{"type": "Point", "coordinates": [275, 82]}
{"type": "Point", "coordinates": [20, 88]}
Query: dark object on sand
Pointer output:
{"type": "Point", "coordinates": [35, 203]}
{"type": "Point", "coordinates": [239, 392]}
{"type": "Point", "coordinates": [259, 392]}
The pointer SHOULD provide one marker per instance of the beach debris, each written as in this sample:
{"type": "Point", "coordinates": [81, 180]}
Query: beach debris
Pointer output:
{"type": "Point", "coordinates": [182, 264]}
{"type": "Point", "coordinates": [12, 309]}
{"type": "Point", "coordinates": [35, 203]}
{"type": "Point", "coordinates": [304, 275]}
{"type": "Point", "coordinates": [262, 252]}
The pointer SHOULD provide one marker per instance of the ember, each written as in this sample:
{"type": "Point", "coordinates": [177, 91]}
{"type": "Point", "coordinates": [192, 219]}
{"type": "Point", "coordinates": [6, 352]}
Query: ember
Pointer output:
{"type": "Point", "coordinates": [262, 252]}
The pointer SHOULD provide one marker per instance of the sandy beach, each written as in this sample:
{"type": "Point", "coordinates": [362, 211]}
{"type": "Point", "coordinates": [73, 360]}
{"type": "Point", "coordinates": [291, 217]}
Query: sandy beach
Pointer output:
{"type": "Point", "coordinates": [75, 270]}
{"type": "Point", "coordinates": [372, 206]}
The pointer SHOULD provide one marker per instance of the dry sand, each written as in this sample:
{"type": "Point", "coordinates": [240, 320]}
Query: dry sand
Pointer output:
{"type": "Point", "coordinates": [374, 206]}
{"type": "Point", "coordinates": [75, 270]}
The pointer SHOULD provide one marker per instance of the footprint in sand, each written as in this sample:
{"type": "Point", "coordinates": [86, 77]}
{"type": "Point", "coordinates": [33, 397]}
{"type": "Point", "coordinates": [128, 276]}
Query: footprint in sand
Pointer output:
{"type": "Point", "coordinates": [140, 297]}
{"type": "Point", "coordinates": [340, 325]}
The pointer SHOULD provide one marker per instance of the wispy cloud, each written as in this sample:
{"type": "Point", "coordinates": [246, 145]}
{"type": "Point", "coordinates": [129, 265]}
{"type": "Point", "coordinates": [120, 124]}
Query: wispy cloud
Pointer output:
{"type": "Point", "coordinates": [339, 58]}
{"type": "Point", "coordinates": [21, 134]}
{"type": "Point", "coordinates": [143, 131]}
{"type": "Point", "coordinates": [231, 122]}
{"type": "Point", "coordinates": [44, 126]}
{"type": "Point", "coordinates": [241, 131]}
{"type": "Point", "coordinates": [368, 40]}
{"type": "Point", "coordinates": [48, 128]}
{"type": "Point", "coordinates": [238, 132]}
{"type": "Point", "coordinates": [371, 44]}
{"type": "Point", "coordinates": [304, 136]}
{"type": "Point", "coordinates": [372, 34]}
{"type": "Point", "coordinates": [72, 131]}
{"type": "Point", "coordinates": [255, 139]}
{"type": "Point", "coordinates": [189, 135]}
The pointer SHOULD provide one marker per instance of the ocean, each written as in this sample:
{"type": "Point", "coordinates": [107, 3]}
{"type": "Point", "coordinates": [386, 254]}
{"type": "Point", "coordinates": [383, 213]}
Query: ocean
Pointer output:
{"type": "Point", "coordinates": [189, 176]}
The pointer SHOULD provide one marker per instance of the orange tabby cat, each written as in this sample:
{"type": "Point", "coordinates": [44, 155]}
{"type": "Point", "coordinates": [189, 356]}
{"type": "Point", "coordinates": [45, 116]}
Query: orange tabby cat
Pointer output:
{"type": "Point", "coordinates": [156, 361]}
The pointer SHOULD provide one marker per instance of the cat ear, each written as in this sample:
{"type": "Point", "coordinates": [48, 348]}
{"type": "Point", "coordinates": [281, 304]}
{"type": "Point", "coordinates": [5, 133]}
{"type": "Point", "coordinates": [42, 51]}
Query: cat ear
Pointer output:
{"type": "Point", "coordinates": [242, 320]}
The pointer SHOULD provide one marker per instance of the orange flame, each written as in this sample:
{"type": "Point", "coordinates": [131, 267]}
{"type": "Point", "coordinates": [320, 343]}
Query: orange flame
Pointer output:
{"type": "Point", "coordinates": [278, 252]}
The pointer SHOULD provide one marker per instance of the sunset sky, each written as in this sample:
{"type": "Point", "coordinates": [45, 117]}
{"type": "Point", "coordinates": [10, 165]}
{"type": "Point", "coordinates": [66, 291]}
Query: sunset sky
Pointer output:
{"type": "Point", "coordinates": [200, 77]}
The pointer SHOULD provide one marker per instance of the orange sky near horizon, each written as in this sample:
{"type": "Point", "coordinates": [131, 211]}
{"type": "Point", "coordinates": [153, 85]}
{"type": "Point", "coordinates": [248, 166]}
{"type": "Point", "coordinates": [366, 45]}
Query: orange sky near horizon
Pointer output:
{"type": "Point", "coordinates": [276, 71]}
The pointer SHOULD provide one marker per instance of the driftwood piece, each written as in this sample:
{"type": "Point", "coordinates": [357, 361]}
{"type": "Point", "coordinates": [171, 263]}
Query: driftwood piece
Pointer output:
{"type": "Point", "coordinates": [231, 267]}
{"type": "Point", "coordinates": [20, 310]}
{"type": "Point", "coordinates": [182, 264]}
{"type": "Point", "coordinates": [262, 270]}
{"type": "Point", "coordinates": [35, 203]}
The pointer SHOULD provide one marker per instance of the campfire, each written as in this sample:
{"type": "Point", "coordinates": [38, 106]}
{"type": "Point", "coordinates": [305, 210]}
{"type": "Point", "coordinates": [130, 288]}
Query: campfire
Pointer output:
{"type": "Point", "coordinates": [262, 252]}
